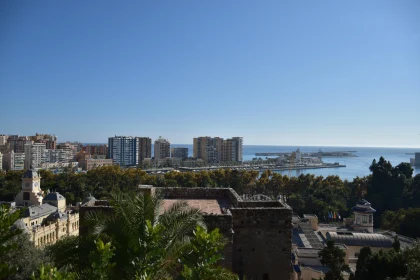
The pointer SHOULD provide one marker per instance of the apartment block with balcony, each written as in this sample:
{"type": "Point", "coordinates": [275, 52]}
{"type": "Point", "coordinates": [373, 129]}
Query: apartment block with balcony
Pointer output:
{"type": "Point", "coordinates": [232, 150]}
{"type": "Point", "coordinates": [208, 149]}
{"type": "Point", "coordinates": [34, 155]}
{"type": "Point", "coordinates": [3, 139]}
{"type": "Point", "coordinates": [145, 148]}
{"type": "Point", "coordinates": [162, 148]}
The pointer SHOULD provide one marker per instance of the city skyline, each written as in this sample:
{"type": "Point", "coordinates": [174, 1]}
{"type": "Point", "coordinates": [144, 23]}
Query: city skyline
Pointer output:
{"type": "Point", "coordinates": [279, 73]}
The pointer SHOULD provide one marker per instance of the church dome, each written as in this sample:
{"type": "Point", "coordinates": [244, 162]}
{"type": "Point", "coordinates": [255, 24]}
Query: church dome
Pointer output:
{"type": "Point", "coordinates": [30, 174]}
{"type": "Point", "coordinates": [19, 224]}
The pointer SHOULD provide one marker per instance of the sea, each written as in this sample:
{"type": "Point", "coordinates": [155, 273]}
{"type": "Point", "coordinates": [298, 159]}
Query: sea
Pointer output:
{"type": "Point", "coordinates": [357, 166]}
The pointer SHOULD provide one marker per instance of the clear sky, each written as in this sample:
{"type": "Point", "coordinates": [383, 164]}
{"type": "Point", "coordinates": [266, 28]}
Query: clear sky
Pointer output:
{"type": "Point", "coordinates": [275, 72]}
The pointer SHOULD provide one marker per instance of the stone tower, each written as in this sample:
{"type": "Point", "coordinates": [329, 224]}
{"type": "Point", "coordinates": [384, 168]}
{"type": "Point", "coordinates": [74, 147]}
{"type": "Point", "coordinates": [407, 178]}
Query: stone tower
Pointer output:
{"type": "Point", "coordinates": [31, 193]}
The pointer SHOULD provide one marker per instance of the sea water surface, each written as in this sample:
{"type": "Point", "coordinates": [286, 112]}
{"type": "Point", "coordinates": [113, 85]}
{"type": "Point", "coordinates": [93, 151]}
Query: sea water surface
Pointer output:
{"type": "Point", "coordinates": [355, 166]}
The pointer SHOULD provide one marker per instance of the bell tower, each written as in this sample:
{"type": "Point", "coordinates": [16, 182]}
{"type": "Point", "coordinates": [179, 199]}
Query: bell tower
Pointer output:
{"type": "Point", "coordinates": [31, 193]}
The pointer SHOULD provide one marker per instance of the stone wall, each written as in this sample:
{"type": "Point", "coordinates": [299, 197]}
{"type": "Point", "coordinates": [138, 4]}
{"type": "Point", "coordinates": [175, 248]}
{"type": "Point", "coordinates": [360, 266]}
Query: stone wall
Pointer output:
{"type": "Point", "coordinates": [262, 242]}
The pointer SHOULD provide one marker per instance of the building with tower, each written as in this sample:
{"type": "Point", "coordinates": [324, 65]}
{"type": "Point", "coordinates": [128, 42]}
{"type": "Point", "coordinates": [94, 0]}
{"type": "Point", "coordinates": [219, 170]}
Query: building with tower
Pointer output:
{"type": "Point", "coordinates": [31, 193]}
{"type": "Point", "coordinates": [45, 219]}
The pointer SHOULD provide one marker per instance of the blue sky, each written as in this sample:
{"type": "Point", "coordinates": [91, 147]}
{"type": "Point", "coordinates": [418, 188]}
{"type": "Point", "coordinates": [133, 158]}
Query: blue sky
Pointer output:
{"type": "Point", "coordinates": [275, 72]}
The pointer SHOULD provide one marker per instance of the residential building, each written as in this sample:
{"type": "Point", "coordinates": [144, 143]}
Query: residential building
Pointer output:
{"type": "Point", "coordinates": [18, 143]}
{"type": "Point", "coordinates": [181, 153]}
{"type": "Point", "coordinates": [72, 148]}
{"type": "Point", "coordinates": [57, 155]}
{"type": "Point", "coordinates": [13, 161]}
{"type": "Point", "coordinates": [417, 159]}
{"type": "Point", "coordinates": [46, 219]}
{"type": "Point", "coordinates": [258, 233]}
{"type": "Point", "coordinates": [145, 148]}
{"type": "Point", "coordinates": [34, 155]}
{"type": "Point", "coordinates": [91, 163]}
{"type": "Point", "coordinates": [208, 149]}
{"type": "Point", "coordinates": [123, 150]}
{"type": "Point", "coordinates": [232, 150]}
{"type": "Point", "coordinates": [96, 149]}
{"type": "Point", "coordinates": [3, 139]}
{"type": "Point", "coordinates": [162, 148]}
{"type": "Point", "coordinates": [1, 161]}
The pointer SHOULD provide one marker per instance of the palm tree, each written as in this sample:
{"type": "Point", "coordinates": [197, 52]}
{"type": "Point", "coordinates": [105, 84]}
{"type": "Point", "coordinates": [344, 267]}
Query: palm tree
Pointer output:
{"type": "Point", "coordinates": [148, 239]}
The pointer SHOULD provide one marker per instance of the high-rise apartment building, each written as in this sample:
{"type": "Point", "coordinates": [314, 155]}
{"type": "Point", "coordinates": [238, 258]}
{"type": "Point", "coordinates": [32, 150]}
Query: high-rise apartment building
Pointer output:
{"type": "Point", "coordinates": [13, 161]}
{"type": "Point", "coordinates": [123, 150]}
{"type": "Point", "coordinates": [232, 150]}
{"type": "Point", "coordinates": [19, 161]}
{"type": "Point", "coordinates": [208, 149]}
{"type": "Point", "coordinates": [34, 155]}
{"type": "Point", "coordinates": [162, 148]}
{"type": "Point", "coordinates": [18, 143]}
{"type": "Point", "coordinates": [1, 161]}
{"type": "Point", "coordinates": [57, 155]}
{"type": "Point", "coordinates": [3, 139]}
{"type": "Point", "coordinates": [178, 152]}
{"type": "Point", "coordinates": [145, 148]}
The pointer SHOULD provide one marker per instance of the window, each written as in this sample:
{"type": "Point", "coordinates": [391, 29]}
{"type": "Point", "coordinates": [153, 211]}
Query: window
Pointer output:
{"type": "Point", "coordinates": [357, 220]}
{"type": "Point", "coordinates": [26, 196]}
{"type": "Point", "coordinates": [364, 219]}
{"type": "Point", "coordinates": [370, 219]}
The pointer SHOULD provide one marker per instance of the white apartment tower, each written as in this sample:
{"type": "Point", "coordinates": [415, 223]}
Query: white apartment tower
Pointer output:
{"type": "Point", "coordinates": [34, 155]}
{"type": "Point", "coordinates": [162, 148]}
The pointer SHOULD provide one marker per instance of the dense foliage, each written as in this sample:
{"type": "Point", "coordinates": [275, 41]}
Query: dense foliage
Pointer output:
{"type": "Point", "coordinates": [333, 257]}
{"type": "Point", "coordinates": [388, 188]}
{"type": "Point", "coordinates": [392, 264]}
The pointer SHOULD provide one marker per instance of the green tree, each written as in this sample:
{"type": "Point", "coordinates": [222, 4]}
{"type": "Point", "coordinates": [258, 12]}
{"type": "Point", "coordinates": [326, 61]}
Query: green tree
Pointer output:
{"type": "Point", "coordinates": [148, 239]}
{"type": "Point", "coordinates": [412, 257]}
{"type": "Point", "coordinates": [51, 273]}
{"type": "Point", "coordinates": [7, 240]}
{"type": "Point", "coordinates": [362, 261]}
{"type": "Point", "coordinates": [25, 257]}
{"type": "Point", "coordinates": [333, 257]}
{"type": "Point", "coordinates": [202, 256]}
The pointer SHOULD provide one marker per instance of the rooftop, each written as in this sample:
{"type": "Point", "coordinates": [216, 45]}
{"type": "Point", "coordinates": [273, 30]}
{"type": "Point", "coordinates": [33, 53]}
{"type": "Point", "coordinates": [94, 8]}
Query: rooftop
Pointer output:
{"type": "Point", "coordinates": [360, 239]}
{"type": "Point", "coordinates": [34, 212]}
{"type": "Point", "coordinates": [207, 206]}
{"type": "Point", "coordinates": [54, 196]}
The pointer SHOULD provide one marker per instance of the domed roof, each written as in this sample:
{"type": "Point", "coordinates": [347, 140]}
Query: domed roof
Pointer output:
{"type": "Point", "coordinates": [30, 174]}
{"type": "Point", "coordinates": [56, 216]}
{"type": "Point", "coordinates": [363, 206]}
{"type": "Point", "coordinates": [19, 224]}
{"type": "Point", "coordinates": [54, 196]}
{"type": "Point", "coordinates": [89, 198]}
